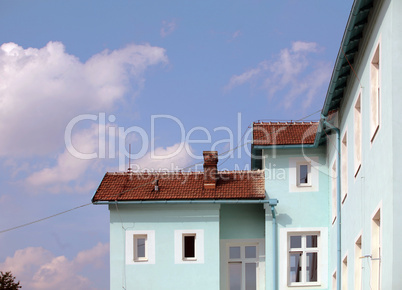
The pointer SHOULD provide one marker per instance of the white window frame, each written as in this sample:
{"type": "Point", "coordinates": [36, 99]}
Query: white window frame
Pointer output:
{"type": "Point", "coordinates": [376, 246]}
{"type": "Point", "coordinates": [375, 94]}
{"type": "Point", "coordinates": [243, 260]}
{"type": "Point", "coordinates": [344, 166]}
{"type": "Point", "coordinates": [136, 237]}
{"type": "Point", "coordinates": [130, 252]}
{"type": "Point", "coordinates": [322, 268]}
{"type": "Point", "coordinates": [345, 273]}
{"type": "Point", "coordinates": [179, 246]}
{"type": "Point", "coordinates": [184, 246]}
{"type": "Point", "coordinates": [334, 185]}
{"type": "Point", "coordinates": [294, 175]}
{"type": "Point", "coordinates": [299, 164]}
{"type": "Point", "coordinates": [358, 133]}
{"type": "Point", "coordinates": [358, 263]}
{"type": "Point", "coordinates": [304, 250]}
{"type": "Point", "coordinates": [334, 281]}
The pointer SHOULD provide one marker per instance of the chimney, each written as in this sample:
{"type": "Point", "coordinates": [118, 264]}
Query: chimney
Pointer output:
{"type": "Point", "coordinates": [210, 169]}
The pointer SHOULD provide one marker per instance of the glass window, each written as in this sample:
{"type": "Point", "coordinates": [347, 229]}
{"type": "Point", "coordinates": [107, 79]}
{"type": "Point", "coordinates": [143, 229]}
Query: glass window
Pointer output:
{"type": "Point", "coordinates": [303, 258]}
{"type": "Point", "coordinates": [140, 248]}
{"type": "Point", "coordinates": [189, 246]}
{"type": "Point", "coordinates": [234, 252]}
{"type": "Point", "coordinates": [243, 267]}
{"type": "Point", "coordinates": [235, 270]}
{"type": "Point", "coordinates": [303, 174]}
{"type": "Point", "coordinates": [251, 251]}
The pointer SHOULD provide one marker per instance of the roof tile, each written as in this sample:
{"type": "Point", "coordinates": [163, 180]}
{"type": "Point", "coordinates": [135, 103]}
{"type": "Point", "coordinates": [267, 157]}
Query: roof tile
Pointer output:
{"type": "Point", "coordinates": [177, 185]}
{"type": "Point", "coordinates": [278, 133]}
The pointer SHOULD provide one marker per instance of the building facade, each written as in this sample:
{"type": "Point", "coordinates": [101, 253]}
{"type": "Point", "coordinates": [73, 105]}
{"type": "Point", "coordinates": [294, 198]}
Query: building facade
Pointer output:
{"type": "Point", "coordinates": [319, 210]}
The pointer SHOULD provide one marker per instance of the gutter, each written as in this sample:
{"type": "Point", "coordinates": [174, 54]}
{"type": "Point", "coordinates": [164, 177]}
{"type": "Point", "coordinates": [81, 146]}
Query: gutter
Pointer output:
{"type": "Point", "coordinates": [323, 123]}
{"type": "Point", "coordinates": [338, 203]}
{"type": "Point", "coordinates": [271, 202]}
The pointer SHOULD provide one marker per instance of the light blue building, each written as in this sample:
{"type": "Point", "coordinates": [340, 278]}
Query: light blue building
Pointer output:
{"type": "Point", "coordinates": [321, 208]}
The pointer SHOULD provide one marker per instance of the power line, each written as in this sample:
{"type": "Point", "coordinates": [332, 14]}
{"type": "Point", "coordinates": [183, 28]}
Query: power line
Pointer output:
{"type": "Point", "coordinates": [42, 219]}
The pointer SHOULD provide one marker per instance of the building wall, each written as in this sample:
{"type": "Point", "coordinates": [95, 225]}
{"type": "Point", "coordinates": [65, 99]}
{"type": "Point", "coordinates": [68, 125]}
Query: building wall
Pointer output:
{"type": "Point", "coordinates": [299, 208]}
{"type": "Point", "coordinates": [376, 186]}
{"type": "Point", "coordinates": [166, 272]}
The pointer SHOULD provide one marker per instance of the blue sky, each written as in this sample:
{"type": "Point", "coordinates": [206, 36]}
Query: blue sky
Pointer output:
{"type": "Point", "coordinates": [167, 74]}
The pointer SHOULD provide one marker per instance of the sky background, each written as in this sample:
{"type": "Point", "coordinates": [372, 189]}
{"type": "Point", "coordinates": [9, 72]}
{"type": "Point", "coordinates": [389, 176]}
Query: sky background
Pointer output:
{"type": "Point", "coordinates": [158, 75]}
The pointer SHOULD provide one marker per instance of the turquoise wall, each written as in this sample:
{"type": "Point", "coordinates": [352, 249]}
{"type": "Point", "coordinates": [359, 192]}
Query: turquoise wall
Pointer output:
{"type": "Point", "coordinates": [306, 209]}
{"type": "Point", "coordinates": [378, 182]}
{"type": "Point", "coordinates": [164, 220]}
{"type": "Point", "coordinates": [243, 221]}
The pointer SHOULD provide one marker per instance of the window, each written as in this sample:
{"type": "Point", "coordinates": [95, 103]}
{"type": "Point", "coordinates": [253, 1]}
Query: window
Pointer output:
{"type": "Point", "coordinates": [375, 93]}
{"type": "Point", "coordinates": [345, 273]}
{"type": "Point", "coordinates": [376, 250]}
{"type": "Point", "coordinates": [243, 266]}
{"type": "Point", "coordinates": [334, 191]}
{"type": "Point", "coordinates": [358, 135]}
{"type": "Point", "coordinates": [303, 259]}
{"type": "Point", "coordinates": [344, 167]}
{"type": "Point", "coordinates": [334, 281]}
{"type": "Point", "coordinates": [358, 264]}
{"type": "Point", "coordinates": [303, 174]}
{"type": "Point", "coordinates": [140, 248]}
{"type": "Point", "coordinates": [189, 246]}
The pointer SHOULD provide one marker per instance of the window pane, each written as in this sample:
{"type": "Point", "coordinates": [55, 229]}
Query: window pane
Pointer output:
{"type": "Point", "coordinates": [189, 246]}
{"type": "Point", "coordinates": [234, 252]}
{"type": "Point", "coordinates": [235, 276]}
{"type": "Point", "coordinates": [311, 241]}
{"type": "Point", "coordinates": [295, 267]}
{"type": "Point", "coordinates": [311, 267]}
{"type": "Point", "coordinates": [141, 247]}
{"type": "Point", "coordinates": [295, 241]}
{"type": "Point", "coordinates": [251, 251]}
{"type": "Point", "coordinates": [251, 276]}
{"type": "Point", "coordinates": [303, 173]}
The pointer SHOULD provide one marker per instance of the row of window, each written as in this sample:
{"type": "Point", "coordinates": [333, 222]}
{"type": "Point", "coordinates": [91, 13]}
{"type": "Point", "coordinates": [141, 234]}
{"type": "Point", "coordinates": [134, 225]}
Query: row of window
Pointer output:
{"type": "Point", "coordinates": [374, 127]}
{"type": "Point", "coordinates": [361, 259]}
{"type": "Point", "coordinates": [140, 246]}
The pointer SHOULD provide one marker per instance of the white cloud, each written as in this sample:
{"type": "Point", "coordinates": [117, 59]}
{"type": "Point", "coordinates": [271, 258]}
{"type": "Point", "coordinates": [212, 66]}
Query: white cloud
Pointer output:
{"type": "Point", "coordinates": [69, 167]}
{"type": "Point", "coordinates": [292, 75]}
{"type": "Point", "coordinates": [168, 27]}
{"type": "Point", "coordinates": [38, 268]}
{"type": "Point", "coordinates": [42, 89]}
{"type": "Point", "coordinates": [171, 158]}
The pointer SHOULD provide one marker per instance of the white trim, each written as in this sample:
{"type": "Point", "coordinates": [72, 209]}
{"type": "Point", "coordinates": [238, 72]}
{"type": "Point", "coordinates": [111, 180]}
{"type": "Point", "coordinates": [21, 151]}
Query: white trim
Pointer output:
{"type": "Point", "coordinates": [136, 237]}
{"type": "Point", "coordinates": [179, 249]}
{"type": "Point", "coordinates": [224, 249]}
{"type": "Point", "coordinates": [344, 165]}
{"type": "Point", "coordinates": [375, 126]}
{"type": "Point", "coordinates": [294, 162]}
{"type": "Point", "coordinates": [150, 247]}
{"type": "Point", "coordinates": [357, 152]}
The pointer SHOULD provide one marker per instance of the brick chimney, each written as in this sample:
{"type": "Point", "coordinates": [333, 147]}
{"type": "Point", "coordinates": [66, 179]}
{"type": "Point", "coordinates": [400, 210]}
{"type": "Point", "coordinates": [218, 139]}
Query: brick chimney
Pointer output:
{"type": "Point", "coordinates": [210, 169]}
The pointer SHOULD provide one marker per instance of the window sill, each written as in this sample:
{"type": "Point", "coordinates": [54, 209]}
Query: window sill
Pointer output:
{"type": "Point", "coordinates": [304, 185]}
{"type": "Point", "coordinates": [189, 259]}
{"type": "Point", "coordinates": [140, 260]}
{"type": "Point", "coordinates": [307, 284]}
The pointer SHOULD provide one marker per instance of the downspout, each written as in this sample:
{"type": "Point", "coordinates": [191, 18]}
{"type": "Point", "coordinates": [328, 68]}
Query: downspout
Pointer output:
{"type": "Point", "coordinates": [338, 203]}
{"type": "Point", "coordinates": [275, 246]}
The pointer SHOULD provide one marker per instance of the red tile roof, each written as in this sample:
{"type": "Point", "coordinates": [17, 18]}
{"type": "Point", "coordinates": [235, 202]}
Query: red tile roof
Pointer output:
{"type": "Point", "coordinates": [278, 133]}
{"type": "Point", "coordinates": [141, 186]}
